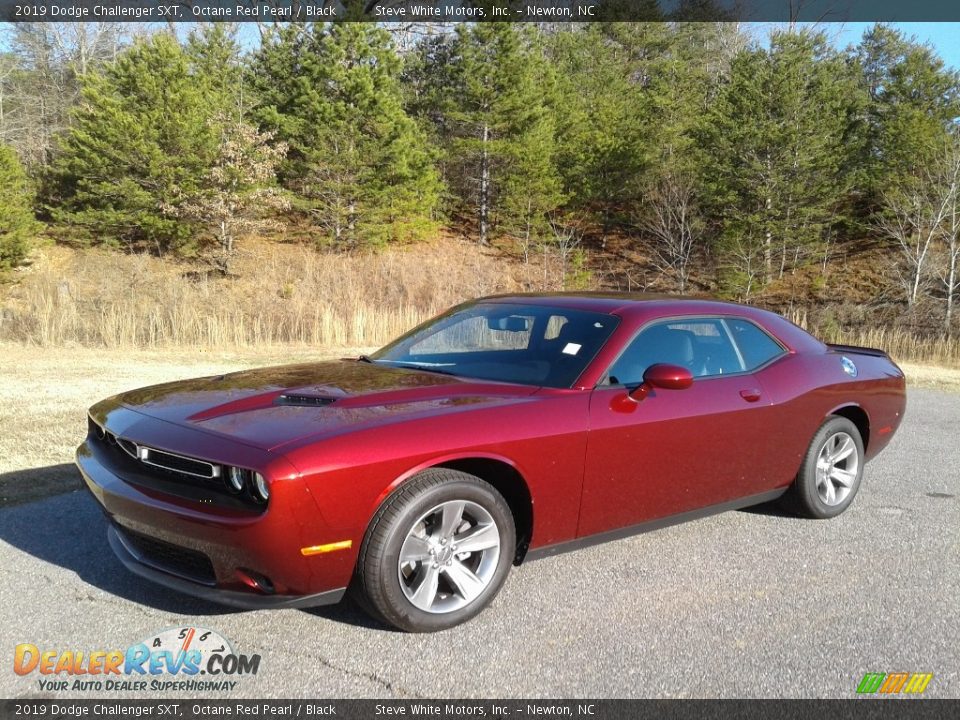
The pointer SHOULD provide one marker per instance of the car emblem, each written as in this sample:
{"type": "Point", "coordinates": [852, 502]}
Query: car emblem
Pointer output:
{"type": "Point", "coordinates": [848, 366]}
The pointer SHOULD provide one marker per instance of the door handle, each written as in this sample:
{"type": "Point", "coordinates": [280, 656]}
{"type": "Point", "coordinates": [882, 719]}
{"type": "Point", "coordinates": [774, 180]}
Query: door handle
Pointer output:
{"type": "Point", "coordinates": [751, 394]}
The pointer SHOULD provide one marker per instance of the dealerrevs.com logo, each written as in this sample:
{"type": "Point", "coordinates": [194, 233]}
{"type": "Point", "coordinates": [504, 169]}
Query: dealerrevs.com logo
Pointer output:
{"type": "Point", "coordinates": [191, 659]}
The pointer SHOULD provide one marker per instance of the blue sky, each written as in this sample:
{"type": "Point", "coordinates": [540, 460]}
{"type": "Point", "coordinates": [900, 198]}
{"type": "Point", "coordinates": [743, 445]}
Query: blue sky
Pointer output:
{"type": "Point", "coordinates": [943, 36]}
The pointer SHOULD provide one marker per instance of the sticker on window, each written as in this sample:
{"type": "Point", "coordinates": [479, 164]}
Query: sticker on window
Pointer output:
{"type": "Point", "coordinates": [571, 349]}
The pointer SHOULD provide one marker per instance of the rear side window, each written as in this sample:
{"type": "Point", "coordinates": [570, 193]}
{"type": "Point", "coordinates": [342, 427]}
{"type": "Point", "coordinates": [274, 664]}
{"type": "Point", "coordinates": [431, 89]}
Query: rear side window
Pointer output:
{"type": "Point", "coordinates": [756, 347]}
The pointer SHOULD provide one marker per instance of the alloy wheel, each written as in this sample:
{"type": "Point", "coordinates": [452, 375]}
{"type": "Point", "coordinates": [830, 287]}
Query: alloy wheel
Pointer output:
{"type": "Point", "coordinates": [449, 556]}
{"type": "Point", "coordinates": [837, 465]}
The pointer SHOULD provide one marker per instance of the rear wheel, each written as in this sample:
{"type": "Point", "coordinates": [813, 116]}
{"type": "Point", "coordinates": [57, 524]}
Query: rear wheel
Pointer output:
{"type": "Point", "coordinates": [437, 552]}
{"type": "Point", "coordinates": [831, 472]}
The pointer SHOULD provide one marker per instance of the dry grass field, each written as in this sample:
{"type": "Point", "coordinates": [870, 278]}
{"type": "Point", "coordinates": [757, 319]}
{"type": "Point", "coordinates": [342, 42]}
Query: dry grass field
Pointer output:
{"type": "Point", "coordinates": [276, 293]}
{"type": "Point", "coordinates": [932, 376]}
{"type": "Point", "coordinates": [44, 394]}
{"type": "Point", "coordinates": [288, 293]}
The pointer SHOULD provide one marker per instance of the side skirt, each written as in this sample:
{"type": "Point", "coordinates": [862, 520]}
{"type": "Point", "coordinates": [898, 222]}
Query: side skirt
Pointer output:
{"type": "Point", "coordinates": [651, 525]}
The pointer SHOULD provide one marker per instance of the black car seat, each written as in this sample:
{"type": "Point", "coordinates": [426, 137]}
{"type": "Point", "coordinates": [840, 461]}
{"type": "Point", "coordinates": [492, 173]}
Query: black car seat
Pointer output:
{"type": "Point", "coordinates": [659, 344]}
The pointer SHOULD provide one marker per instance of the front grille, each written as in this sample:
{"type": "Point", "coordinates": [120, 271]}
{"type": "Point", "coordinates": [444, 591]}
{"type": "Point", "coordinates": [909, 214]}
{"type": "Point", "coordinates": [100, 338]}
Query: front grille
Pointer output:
{"type": "Point", "coordinates": [185, 477]}
{"type": "Point", "coordinates": [177, 463]}
{"type": "Point", "coordinates": [186, 563]}
{"type": "Point", "coordinates": [128, 447]}
{"type": "Point", "coordinates": [158, 458]}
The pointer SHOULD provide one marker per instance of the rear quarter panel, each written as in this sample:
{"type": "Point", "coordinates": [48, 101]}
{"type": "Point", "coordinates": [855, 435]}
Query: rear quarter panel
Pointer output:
{"type": "Point", "coordinates": [807, 387]}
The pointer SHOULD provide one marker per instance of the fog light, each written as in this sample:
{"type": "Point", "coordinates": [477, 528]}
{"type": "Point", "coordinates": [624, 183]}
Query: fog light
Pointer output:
{"type": "Point", "coordinates": [262, 491]}
{"type": "Point", "coordinates": [255, 580]}
{"type": "Point", "coordinates": [236, 479]}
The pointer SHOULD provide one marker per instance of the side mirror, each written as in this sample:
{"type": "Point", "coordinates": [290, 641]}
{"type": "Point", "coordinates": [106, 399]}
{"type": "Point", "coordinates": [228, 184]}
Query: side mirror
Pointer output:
{"type": "Point", "coordinates": [662, 375]}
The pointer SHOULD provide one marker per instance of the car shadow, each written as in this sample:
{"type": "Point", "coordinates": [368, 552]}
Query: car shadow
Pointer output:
{"type": "Point", "coordinates": [26, 486]}
{"type": "Point", "coordinates": [58, 523]}
{"type": "Point", "coordinates": [348, 612]}
{"type": "Point", "coordinates": [772, 509]}
{"type": "Point", "coordinates": [46, 513]}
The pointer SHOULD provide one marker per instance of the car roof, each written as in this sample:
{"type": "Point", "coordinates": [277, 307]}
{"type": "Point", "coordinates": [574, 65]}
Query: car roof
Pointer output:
{"type": "Point", "coordinates": [618, 302]}
{"type": "Point", "coordinates": [640, 308]}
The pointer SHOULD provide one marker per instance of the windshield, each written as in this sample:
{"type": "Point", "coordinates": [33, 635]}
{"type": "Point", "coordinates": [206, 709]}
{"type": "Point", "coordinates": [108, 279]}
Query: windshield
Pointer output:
{"type": "Point", "coordinates": [524, 344]}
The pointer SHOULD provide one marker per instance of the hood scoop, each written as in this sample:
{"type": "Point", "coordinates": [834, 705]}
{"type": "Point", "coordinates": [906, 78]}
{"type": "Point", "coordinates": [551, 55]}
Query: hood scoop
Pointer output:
{"type": "Point", "coordinates": [303, 400]}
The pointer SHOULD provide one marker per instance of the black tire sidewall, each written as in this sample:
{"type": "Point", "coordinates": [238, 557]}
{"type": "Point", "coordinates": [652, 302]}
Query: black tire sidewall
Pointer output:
{"type": "Point", "coordinates": [380, 563]}
{"type": "Point", "coordinates": [806, 486]}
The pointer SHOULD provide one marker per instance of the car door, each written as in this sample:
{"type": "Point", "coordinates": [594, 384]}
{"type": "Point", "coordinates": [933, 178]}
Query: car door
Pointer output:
{"type": "Point", "coordinates": [675, 450]}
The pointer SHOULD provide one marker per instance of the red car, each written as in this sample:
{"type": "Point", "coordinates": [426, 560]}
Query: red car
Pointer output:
{"type": "Point", "coordinates": [508, 428]}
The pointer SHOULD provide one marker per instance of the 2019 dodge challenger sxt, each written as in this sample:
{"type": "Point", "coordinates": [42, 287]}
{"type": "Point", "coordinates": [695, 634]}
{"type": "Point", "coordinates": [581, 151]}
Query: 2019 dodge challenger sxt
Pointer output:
{"type": "Point", "coordinates": [508, 428]}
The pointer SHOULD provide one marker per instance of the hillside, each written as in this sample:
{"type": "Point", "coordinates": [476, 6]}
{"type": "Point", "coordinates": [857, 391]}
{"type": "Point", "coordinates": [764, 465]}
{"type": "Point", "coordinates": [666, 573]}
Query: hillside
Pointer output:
{"type": "Point", "coordinates": [288, 292]}
{"type": "Point", "coordinates": [275, 293]}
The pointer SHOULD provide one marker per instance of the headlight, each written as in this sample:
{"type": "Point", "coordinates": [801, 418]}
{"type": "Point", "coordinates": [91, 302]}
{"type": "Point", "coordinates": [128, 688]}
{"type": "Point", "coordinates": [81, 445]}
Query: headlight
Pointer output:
{"type": "Point", "coordinates": [236, 479]}
{"type": "Point", "coordinates": [260, 485]}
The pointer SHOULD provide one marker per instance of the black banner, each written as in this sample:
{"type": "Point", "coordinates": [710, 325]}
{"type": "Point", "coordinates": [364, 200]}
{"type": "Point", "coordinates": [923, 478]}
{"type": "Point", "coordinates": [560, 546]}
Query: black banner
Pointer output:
{"type": "Point", "coordinates": [271, 11]}
{"type": "Point", "coordinates": [45, 709]}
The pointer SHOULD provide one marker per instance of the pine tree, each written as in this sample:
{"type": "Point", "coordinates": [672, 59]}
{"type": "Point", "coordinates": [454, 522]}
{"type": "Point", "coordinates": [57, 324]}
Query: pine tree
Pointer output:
{"type": "Point", "coordinates": [775, 162]}
{"type": "Point", "coordinates": [17, 224]}
{"type": "Point", "coordinates": [217, 67]}
{"type": "Point", "coordinates": [532, 189]}
{"type": "Point", "coordinates": [498, 128]}
{"type": "Point", "coordinates": [359, 163]}
{"type": "Point", "coordinates": [39, 79]}
{"type": "Point", "coordinates": [604, 126]}
{"type": "Point", "coordinates": [139, 141]}
{"type": "Point", "coordinates": [429, 88]}
{"type": "Point", "coordinates": [684, 71]}
{"type": "Point", "coordinates": [914, 100]}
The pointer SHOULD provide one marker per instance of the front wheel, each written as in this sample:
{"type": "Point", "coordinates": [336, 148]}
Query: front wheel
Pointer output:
{"type": "Point", "coordinates": [831, 471]}
{"type": "Point", "coordinates": [437, 552]}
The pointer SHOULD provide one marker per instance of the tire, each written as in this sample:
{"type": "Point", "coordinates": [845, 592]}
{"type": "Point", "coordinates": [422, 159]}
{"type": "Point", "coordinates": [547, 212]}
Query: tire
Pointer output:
{"type": "Point", "coordinates": [414, 570]}
{"type": "Point", "coordinates": [824, 488]}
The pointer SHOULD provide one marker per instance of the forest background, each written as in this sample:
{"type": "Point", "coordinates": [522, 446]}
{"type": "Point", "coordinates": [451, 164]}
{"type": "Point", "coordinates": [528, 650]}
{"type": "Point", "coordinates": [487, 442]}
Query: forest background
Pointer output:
{"type": "Point", "coordinates": [332, 185]}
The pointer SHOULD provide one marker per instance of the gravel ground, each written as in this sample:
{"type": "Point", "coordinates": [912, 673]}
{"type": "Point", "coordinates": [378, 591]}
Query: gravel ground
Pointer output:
{"type": "Point", "coordinates": [745, 604]}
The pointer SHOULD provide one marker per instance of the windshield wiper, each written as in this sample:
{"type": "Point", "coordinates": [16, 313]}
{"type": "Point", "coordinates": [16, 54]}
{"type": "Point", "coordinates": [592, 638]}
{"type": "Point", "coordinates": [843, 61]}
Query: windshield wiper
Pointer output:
{"type": "Point", "coordinates": [364, 358]}
{"type": "Point", "coordinates": [426, 367]}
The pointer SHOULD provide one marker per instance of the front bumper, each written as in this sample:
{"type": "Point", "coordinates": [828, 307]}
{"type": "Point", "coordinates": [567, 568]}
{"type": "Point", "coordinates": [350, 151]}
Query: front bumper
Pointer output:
{"type": "Point", "coordinates": [211, 552]}
{"type": "Point", "coordinates": [139, 565]}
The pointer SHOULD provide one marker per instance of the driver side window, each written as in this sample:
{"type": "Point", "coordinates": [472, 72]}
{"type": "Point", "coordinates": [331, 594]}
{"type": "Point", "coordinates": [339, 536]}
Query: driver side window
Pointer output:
{"type": "Point", "coordinates": [700, 345]}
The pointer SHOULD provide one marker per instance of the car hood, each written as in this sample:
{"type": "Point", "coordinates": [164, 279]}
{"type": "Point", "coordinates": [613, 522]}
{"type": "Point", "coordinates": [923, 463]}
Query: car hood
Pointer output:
{"type": "Point", "coordinates": [270, 407]}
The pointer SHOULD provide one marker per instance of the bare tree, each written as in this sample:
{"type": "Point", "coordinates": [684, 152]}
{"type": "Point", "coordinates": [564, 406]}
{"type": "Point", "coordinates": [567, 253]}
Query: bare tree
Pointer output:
{"type": "Point", "coordinates": [672, 219]}
{"type": "Point", "coordinates": [917, 217]}
{"type": "Point", "coordinates": [949, 257]}
{"type": "Point", "coordinates": [7, 68]}
{"type": "Point", "coordinates": [746, 264]}
{"type": "Point", "coordinates": [40, 78]}
{"type": "Point", "coordinates": [565, 239]}
{"type": "Point", "coordinates": [237, 187]}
